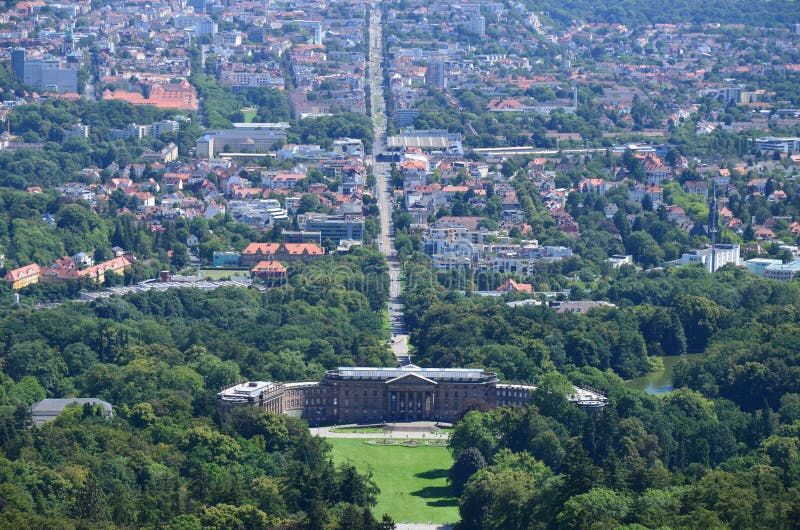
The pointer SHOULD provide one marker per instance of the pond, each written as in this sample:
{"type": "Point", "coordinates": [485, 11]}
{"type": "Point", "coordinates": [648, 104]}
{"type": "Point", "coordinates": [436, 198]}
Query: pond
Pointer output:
{"type": "Point", "coordinates": [661, 381]}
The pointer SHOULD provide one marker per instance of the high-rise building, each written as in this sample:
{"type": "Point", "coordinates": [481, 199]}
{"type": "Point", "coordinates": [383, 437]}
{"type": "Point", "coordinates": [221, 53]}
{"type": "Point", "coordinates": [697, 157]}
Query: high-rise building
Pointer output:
{"type": "Point", "coordinates": [201, 24]}
{"type": "Point", "coordinates": [476, 25]}
{"type": "Point", "coordinates": [435, 74]}
{"type": "Point", "coordinates": [49, 74]}
{"type": "Point", "coordinates": [18, 62]}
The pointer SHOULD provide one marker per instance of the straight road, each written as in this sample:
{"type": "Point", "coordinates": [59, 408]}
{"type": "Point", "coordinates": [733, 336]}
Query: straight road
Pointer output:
{"type": "Point", "coordinates": [399, 337]}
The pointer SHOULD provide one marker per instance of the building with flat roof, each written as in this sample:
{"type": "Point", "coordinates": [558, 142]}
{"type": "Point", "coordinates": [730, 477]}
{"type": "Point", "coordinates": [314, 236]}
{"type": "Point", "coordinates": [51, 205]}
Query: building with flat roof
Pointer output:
{"type": "Point", "coordinates": [782, 145]}
{"type": "Point", "coordinates": [759, 265]}
{"type": "Point", "coordinates": [48, 74]}
{"type": "Point", "coordinates": [782, 271]}
{"type": "Point", "coordinates": [333, 227]}
{"type": "Point", "coordinates": [713, 259]}
{"type": "Point", "coordinates": [226, 258]}
{"type": "Point", "coordinates": [407, 393]}
{"type": "Point", "coordinates": [257, 141]}
{"type": "Point", "coordinates": [436, 74]}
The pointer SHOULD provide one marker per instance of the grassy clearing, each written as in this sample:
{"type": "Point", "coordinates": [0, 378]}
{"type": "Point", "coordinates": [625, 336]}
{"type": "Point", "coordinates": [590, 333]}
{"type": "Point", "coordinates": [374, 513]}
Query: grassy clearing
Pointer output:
{"type": "Point", "coordinates": [413, 480]}
{"type": "Point", "coordinates": [249, 115]}
{"type": "Point", "coordinates": [223, 274]}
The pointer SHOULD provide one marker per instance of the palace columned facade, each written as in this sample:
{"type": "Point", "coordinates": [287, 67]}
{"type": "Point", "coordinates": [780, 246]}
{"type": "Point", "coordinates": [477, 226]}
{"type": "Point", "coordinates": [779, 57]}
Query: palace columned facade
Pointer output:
{"type": "Point", "coordinates": [407, 393]}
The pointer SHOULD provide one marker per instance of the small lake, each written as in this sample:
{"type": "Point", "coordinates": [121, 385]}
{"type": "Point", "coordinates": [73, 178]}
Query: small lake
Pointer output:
{"type": "Point", "coordinates": [662, 381]}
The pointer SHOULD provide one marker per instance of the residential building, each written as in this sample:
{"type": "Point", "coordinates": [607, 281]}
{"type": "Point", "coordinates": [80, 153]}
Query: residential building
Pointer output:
{"type": "Point", "coordinates": [435, 75]}
{"type": "Point", "coordinates": [200, 25]}
{"type": "Point", "coordinates": [140, 131]}
{"type": "Point", "coordinates": [477, 25]}
{"type": "Point", "coordinates": [510, 285]}
{"type": "Point", "coordinates": [23, 276]}
{"type": "Point", "coordinates": [64, 269]}
{"type": "Point", "coordinates": [260, 213]}
{"type": "Point", "coordinates": [275, 181]}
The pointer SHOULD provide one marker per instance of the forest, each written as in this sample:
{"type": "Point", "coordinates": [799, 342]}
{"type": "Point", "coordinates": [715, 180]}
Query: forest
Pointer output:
{"type": "Point", "coordinates": [167, 459]}
{"type": "Point", "coordinates": [720, 451]}
{"type": "Point", "coordinates": [771, 13]}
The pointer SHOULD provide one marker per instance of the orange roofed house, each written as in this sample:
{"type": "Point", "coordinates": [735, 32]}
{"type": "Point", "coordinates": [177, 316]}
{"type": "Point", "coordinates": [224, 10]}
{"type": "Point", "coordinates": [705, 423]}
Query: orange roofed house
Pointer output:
{"type": "Point", "coordinates": [257, 252]}
{"type": "Point", "coordinates": [268, 271]}
{"type": "Point", "coordinates": [511, 286]}
{"type": "Point", "coordinates": [23, 276]}
{"type": "Point", "coordinates": [65, 268]}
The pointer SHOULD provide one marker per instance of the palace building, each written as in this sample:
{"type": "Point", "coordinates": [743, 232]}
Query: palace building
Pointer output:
{"type": "Point", "coordinates": [407, 393]}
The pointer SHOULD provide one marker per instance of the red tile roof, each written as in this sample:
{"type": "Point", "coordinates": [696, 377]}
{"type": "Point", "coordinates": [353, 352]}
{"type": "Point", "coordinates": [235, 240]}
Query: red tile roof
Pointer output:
{"type": "Point", "coordinates": [261, 248]}
{"type": "Point", "coordinates": [304, 248]}
{"type": "Point", "coordinates": [269, 266]}
{"type": "Point", "coordinates": [22, 272]}
{"type": "Point", "coordinates": [511, 285]}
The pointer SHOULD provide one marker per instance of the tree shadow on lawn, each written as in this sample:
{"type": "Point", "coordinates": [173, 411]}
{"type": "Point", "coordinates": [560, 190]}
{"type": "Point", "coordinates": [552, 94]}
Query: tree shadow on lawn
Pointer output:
{"type": "Point", "coordinates": [434, 474]}
{"type": "Point", "coordinates": [443, 503]}
{"type": "Point", "coordinates": [443, 496]}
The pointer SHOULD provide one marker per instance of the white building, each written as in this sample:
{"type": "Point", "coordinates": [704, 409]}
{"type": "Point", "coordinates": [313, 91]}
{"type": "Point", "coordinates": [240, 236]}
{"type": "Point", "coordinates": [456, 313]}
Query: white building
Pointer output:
{"type": "Point", "coordinates": [759, 265]}
{"type": "Point", "coordinates": [725, 254]}
{"type": "Point", "coordinates": [618, 260]}
{"type": "Point", "coordinates": [782, 271]}
{"type": "Point", "coordinates": [782, 145]}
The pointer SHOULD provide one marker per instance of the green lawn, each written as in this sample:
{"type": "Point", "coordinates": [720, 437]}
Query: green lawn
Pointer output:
{"type": "Point", "coordinates": [249, 115]}
{"type": "Point", "coordinates": [413, 480]}
{"type": "Point", "coordinates": [387, 324]}
{"type": "Point", "coordinates": [222, 274]}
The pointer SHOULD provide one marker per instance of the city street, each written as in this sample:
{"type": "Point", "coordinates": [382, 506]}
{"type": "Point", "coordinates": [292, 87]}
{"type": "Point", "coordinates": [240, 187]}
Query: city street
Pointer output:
{"type": "Point", "coordinates": [399, 337]}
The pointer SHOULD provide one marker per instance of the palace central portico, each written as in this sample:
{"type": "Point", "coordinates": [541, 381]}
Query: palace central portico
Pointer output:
{"type": "Point", "coordinates": [411, 393]}
{"type": "Point", "coordinates": [407, 393]}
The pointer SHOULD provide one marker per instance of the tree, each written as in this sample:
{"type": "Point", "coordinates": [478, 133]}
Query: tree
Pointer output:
{"type": "Point", "coordinates": [355, 488]}
{"type": "Point", "coordinates": [231, 517]}
{"type": "Point", "coordinates": [699, 317]}
{"type": "Point", "coordinates": [496, 499]}
{"type": "Point", "coordinates": [551, 392]}
{"type": "Point", "coordinates": [37, 359]}
{"type": "Point", "coordinates": [386, 523]}
{"type": "Point", "coordinates": [473, 431]}
{"type": "Point", "coordinates": [597, 508]}
{"type": "Point", "coordinates": [91, 504]}
{"type": "Point", "coordinates": [644, 249]}
{"type": "Point", "coordinates": [466, 465]}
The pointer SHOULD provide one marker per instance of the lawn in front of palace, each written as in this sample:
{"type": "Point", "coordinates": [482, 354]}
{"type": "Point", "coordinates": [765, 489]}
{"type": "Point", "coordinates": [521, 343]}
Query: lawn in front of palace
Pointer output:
{"type": "Point", "coordinates": [412, 480]}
